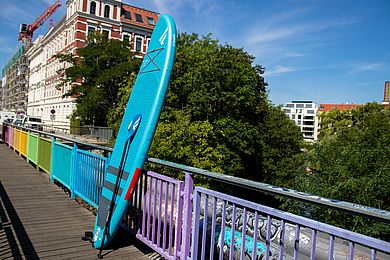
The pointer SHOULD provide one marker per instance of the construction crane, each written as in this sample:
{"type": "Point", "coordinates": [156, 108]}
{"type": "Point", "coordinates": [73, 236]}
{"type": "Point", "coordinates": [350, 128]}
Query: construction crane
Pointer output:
{"type": "Point", "coordinates": [26, 30]}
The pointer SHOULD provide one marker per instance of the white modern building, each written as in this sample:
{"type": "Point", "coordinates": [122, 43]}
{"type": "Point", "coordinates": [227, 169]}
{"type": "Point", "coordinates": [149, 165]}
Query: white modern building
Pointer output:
{"type": "Point", "coordinates": [304, 114]}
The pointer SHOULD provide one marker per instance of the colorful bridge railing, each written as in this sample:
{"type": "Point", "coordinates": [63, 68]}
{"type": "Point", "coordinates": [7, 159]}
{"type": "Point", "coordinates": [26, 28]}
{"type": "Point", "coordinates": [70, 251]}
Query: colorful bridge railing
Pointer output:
{"type": "Point", "coordinates": [181, 221]}
{"type": "Point", "coordinates": [79, 171]}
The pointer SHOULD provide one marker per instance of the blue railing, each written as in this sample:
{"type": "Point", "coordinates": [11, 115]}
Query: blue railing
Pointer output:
{"type": "Point", "coordinates": [62, 162]}
{"type": "Point", "coordinates": [179, 220]}
{"type": "Point", "coordinates": [88, 179]}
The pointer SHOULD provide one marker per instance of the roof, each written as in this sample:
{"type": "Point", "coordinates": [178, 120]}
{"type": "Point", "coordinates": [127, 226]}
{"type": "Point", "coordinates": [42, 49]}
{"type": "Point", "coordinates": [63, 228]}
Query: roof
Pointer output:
{"type": "Point", "coordinates": [132, 10]}
{"type": "Point", "coordinates": [327, 107]}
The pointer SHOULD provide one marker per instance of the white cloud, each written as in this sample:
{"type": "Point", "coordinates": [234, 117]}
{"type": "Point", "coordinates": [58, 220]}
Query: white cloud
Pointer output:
{"type": "Point", "coordinates": [278, 70]}
{"type": "Point", "coordinates": [6, 49]}
{"type": "Point", "coordinates": [292, 34]}
{"type": "Point", "coordinates": [11, 13]}
{"type": "Point", "coordinates": [376, 66]}
{"type": "Point", "coordinates": [293, 54]}
{"type": "Point", "coordinates": [300, 31]}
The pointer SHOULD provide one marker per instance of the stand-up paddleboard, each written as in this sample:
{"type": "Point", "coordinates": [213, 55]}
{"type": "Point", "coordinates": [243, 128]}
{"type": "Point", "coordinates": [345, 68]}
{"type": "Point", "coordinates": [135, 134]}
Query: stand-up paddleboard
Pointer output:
{"type": "Point", "coordinates": [136, 131]}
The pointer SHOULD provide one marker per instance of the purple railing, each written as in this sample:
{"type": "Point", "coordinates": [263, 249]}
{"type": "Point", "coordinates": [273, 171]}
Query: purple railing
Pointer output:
{"type": "Point", "coordinates": [6, 133]}
{"type": "Point", "coordinates": [226, 227]}
{"type": "Point", "coordinates": [156, 212]}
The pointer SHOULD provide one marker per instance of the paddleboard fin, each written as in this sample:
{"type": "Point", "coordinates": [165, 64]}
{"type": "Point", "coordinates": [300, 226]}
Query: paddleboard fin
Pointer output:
{"type": "Point", "coordinates": [87, 236]}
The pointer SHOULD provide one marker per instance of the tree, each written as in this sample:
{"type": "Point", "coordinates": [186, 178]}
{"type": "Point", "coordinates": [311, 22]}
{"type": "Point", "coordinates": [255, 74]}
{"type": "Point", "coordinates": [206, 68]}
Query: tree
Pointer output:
{"type": "Point", "coordinates": [335, 120]}
{"type": "Point", "coordinates": [352, 163]}
{"type": "Point", "coordinates": [96, 74]}
{"type": "Point", "coordinates": [217, 115]}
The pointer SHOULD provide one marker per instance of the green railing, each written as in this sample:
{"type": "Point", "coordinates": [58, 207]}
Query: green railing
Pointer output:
{"type": "Point", "coordinates": [44, 154]}
{"type": "Point", "coordinates": [32, 148]}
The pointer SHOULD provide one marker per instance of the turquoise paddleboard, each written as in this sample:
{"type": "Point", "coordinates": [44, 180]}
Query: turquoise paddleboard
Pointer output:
{"type": "Point", "coordinates": [137, 129]}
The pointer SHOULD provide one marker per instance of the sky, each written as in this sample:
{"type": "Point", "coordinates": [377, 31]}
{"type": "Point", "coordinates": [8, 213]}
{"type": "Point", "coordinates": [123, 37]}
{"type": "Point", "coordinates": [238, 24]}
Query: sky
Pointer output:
{"type": "Point", "coordinates": [327, 51]}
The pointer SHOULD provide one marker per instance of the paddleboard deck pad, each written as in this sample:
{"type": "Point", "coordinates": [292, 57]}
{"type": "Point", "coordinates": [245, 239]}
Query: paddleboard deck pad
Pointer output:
{"type": "Point", "coordinates": [129, 156]}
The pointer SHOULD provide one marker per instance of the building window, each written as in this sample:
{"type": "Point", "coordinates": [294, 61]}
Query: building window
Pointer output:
{"type": "Point", "coordinates": [292, 116]}
{"type": "Point", "coordinates": [310, 111]}
{"type": "Point", "coordinates": [91, 29]}
{"type": "Point", "coordinates": [92, 8]}
{"type": "Point", "coordinates": [150, 20]}
{"type": "Point", "coordinates": [126, 14]}
{"type": "Point", "coordinates": [290, 105]}
{"type": "Point", "coordinates": [299, 116]}
{"type": "Point", "coordinates": [105, 33]}
{"type": "Point", "coordinates": [147, 43]}
{"type": "Point", "coordinates": [138, 44]}
{"type": "Point", "coordinates": [308, 105]}
{"type": "Point", "coordinates": [138, 18]}
{"type": "Point", "coordinates": [288, 111]}
{"type": "Point", "coordinates": [107, 11]}
{"type": "Point", "coordinates": [299, 106]}
{"type": "Point", "coordinates": [126, 37]}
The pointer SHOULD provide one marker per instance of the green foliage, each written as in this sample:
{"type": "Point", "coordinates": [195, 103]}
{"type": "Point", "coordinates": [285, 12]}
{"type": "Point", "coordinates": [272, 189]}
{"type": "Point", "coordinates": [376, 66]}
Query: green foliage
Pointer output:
{"type": "Point", "coordinates": [115, 115]}
{"type": "Point", "coordinates": [335, 120]}
{"type": "Point", "coordinates": [352, 163]}
{"type": "Point", "coordinates": [96, 74]}
{"type": "Point", "coordinates": [217, 116]}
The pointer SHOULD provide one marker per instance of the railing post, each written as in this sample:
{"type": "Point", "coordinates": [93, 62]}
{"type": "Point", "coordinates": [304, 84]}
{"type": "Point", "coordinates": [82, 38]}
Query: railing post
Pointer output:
{"type": "Point", "coordinates": [73, 171]}
{"type": "Point", "coordinates": [106, 165]}
{"type": "Point", "coordinates": [28, 146]}
{"type": "Point", "coordinates": [187, 216]}
{"type": "Point", "coordinates": [53, 143]}
{"type": "Point", "coordinates": [3, 133]}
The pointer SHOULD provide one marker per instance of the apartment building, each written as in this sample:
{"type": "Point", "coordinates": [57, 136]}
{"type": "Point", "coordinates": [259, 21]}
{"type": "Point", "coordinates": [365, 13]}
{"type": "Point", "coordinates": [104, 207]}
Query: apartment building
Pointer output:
{"type": "Point", "coordinates": [304, 114]}
{"type": "Point", "coordinates": [112, 17]}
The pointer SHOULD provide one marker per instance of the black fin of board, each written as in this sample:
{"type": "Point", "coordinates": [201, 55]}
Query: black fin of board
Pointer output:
{"type": "Point", "coordinates": [87, 236]}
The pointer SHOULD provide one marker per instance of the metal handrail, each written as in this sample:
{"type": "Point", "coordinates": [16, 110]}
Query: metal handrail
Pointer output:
{"type": "Point", "coordinates": [94, 146]}
{"type": "Point", "coordinates": [347, 207]}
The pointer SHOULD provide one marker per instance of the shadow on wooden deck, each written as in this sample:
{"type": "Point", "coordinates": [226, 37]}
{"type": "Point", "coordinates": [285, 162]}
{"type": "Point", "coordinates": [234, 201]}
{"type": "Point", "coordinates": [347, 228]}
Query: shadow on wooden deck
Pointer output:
{"type": "Point", "coordinates": [12, 231]}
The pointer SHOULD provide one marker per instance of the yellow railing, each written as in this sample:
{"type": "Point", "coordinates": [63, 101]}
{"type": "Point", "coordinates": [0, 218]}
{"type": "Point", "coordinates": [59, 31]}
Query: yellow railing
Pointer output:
{"type": "Point", "coordinates": [23, 143]}
{"type": "Point", "coordinates": [17, 139]}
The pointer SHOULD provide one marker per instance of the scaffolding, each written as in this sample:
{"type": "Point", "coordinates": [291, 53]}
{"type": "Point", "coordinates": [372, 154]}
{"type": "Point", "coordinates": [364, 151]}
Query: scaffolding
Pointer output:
{"type": "Point", "coordinates": [15, 74]}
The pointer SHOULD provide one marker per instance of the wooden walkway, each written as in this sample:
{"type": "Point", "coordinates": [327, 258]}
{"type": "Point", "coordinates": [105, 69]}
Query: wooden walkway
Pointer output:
{"type": "Point", "coordinates": [38, 220]}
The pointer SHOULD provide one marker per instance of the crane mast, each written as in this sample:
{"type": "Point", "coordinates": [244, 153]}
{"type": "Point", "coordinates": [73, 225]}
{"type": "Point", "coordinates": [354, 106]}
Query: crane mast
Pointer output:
{"type": "Point", "coordinates": [26, 30]}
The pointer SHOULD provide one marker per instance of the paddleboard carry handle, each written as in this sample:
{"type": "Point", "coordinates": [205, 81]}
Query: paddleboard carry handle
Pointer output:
{"type": "Point", "coordinates": [132, 130]}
